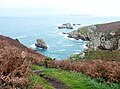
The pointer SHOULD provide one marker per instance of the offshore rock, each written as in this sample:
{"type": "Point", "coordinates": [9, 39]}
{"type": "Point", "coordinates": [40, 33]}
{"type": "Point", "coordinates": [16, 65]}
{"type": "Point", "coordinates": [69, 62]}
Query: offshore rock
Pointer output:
{"type": "Point", "coordinates": [66, 26]}
{"type": "Point", "coordinates": [41, 43]}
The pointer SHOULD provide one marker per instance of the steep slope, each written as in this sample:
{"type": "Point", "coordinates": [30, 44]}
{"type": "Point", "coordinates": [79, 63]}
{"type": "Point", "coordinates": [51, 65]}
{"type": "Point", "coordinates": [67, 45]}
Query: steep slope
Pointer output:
{"type": "Point", "coordinates": [15, 60]}
{"type": "Point", "coordinates": [36, 57]}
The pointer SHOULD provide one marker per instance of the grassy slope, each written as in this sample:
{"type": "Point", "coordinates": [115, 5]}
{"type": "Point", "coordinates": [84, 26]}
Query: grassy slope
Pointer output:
{"type": "Point", "coordinates": [96, 55]}
{"type": "Point", "coordinates": [83, 30]}
{"type": "Point", "coordinates": [104, 55]}
{"type": "Point", "coordinates": [74, 80]}
{"type": "Point", "coordinates": [37, 79]}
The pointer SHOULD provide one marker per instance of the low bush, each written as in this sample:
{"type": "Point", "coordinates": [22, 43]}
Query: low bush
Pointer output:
{"type": "Point", "coordinates": [108, 70]}
{"type": "Point", "coordinates": [47, 61]}
{"type": "Point", "coordinates": [14, 67]}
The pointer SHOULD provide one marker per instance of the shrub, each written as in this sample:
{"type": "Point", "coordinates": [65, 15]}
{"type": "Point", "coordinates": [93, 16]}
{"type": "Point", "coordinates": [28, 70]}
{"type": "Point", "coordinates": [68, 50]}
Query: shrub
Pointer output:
{"type": "Point", "coordinates": [47, 61]}
{"type": "Point", "coordinates": [14, 67]}
{"type": "Point", "coordinates": [108, 70]}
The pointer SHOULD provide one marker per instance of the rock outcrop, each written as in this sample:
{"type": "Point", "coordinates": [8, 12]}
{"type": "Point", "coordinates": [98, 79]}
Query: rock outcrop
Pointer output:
{"type": "Point", "coordinates": [81, 33]}
{"type": "Point", "coordinates": [78, 36]}
{"type": "Point", "coordinates": [100, 36]}
{"type": "Point", "coordinates": [66, 26]}
{"type": "Point", "coordinates": [41, 43]}
{"type": "Point", "coordinates": [104, 38]}
{"type": "Point", "coordinates": [104, 41]}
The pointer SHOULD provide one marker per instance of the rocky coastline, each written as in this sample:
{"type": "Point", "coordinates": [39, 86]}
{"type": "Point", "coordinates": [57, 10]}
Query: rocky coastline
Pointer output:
{"type": "Point", "coordinates": [100, 36]}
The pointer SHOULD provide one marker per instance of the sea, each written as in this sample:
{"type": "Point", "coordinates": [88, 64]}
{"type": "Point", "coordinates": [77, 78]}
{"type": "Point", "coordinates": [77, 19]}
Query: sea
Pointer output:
{"type": "Point", "coordinates": [28, 29]}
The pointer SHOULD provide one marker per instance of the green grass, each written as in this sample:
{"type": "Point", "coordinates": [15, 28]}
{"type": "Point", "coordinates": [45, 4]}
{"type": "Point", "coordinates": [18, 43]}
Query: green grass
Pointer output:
{"type": "Point", "coordinates": [83, 30]}
{"type": "Point", "coordinates": [96, 55]}
{"type": "Point", "coordinates": [35, 67]}
{"type": "Point", "coordinates": [74, 57]}
{"type": "Point", "coordinates": [77, 80]}
{"type": "Point", "coordinates": [104, 55]}
{"type": "Point", "coordinates": [37, 79]}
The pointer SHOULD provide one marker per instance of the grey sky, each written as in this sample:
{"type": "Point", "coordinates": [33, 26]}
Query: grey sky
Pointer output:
{"type": "Point", "coordinates": [44, 7]}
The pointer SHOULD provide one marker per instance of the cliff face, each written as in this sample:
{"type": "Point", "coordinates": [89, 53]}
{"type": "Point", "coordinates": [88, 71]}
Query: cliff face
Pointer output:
{"type": "Point", "coordinates": [101, 36]}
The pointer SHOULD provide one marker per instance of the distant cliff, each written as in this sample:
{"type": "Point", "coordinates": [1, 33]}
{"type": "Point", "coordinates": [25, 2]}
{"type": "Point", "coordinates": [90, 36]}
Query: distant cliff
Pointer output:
{"type": "Point", "coordinates": [100, 36]}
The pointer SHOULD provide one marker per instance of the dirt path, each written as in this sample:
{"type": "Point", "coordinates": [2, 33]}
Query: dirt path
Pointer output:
{"type": "Point", "coordinates": [56, 83]}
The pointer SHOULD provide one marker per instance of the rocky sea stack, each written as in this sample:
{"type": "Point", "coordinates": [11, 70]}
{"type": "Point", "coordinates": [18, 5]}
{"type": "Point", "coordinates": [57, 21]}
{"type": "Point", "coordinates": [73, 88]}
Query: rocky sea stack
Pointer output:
{"type": "Point", "coordinates": [41, 43]}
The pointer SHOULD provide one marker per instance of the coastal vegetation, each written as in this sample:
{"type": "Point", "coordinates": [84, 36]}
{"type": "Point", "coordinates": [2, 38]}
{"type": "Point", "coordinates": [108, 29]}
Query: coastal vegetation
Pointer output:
{"type": "Point", "coordinates": [21, 67]}
{"type": "Point", "coordinates": [98, 55]}
{"type": "Point", "coordinates": [83, 30]}
{"type": "Point", "coordinates": [37, 82]}
{"type": "Point", "coordinates": [74, 80]}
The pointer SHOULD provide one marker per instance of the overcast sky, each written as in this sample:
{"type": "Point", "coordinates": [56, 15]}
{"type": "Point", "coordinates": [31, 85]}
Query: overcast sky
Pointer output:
{"type": "Point", "coordinates": [56, 7]}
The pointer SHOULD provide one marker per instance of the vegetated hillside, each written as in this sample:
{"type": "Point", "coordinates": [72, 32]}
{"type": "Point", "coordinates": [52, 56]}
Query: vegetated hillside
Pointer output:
{"type": "Point", "coordinates": [15, 61]}
{"type": "Point", "coordinates": [108, 70]}
{"type": "Point", "coordinates": [109, 26]}
{"type": "Point", "coordinates": [34, 56]}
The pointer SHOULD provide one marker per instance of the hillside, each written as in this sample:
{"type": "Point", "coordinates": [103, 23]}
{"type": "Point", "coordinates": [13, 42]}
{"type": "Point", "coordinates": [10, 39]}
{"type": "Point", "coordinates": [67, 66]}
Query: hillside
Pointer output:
{"type": "Point", "coordinates": [11, 43]}
{"type": "Point", "coordinates": [109, 26]}
{"type": "Point", "coordinates": [23, 68]}
{"type": "Point", "coordinates": [15, 61]}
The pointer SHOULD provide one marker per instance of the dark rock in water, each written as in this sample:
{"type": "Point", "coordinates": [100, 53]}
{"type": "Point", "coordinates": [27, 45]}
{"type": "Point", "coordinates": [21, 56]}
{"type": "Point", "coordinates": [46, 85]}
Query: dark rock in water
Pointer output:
{"type": "Point", "coordinates": [69, 27]}
{"type": "Point", "coordinates": [64, 33]}
{"type": "Point", "coordinates": [76, 24]}
{"type": "Point", "coordinates": [41, 43]}
{"type": "Point", "coordinates": [61, 27]}
{"type": "Point", "coordinates": [66, 26]}
{"type": "Point", "coordinates": [17, 40]}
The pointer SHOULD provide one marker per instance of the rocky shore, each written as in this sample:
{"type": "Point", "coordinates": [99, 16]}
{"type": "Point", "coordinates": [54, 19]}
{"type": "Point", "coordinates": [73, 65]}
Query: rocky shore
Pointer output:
{"type": "Point", "coordinates": [100, 36]}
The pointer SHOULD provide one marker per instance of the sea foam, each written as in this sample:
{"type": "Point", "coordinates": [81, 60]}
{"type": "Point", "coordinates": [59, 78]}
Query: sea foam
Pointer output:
{"type": "Point", "coordinates": [20, 37]}
{"type": "Point", "coordinates": [33, 46]}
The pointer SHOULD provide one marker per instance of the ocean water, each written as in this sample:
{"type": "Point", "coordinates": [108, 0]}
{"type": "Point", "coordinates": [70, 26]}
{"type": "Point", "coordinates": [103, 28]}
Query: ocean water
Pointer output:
{"type": "Point", "coordinates": [28, 29]}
